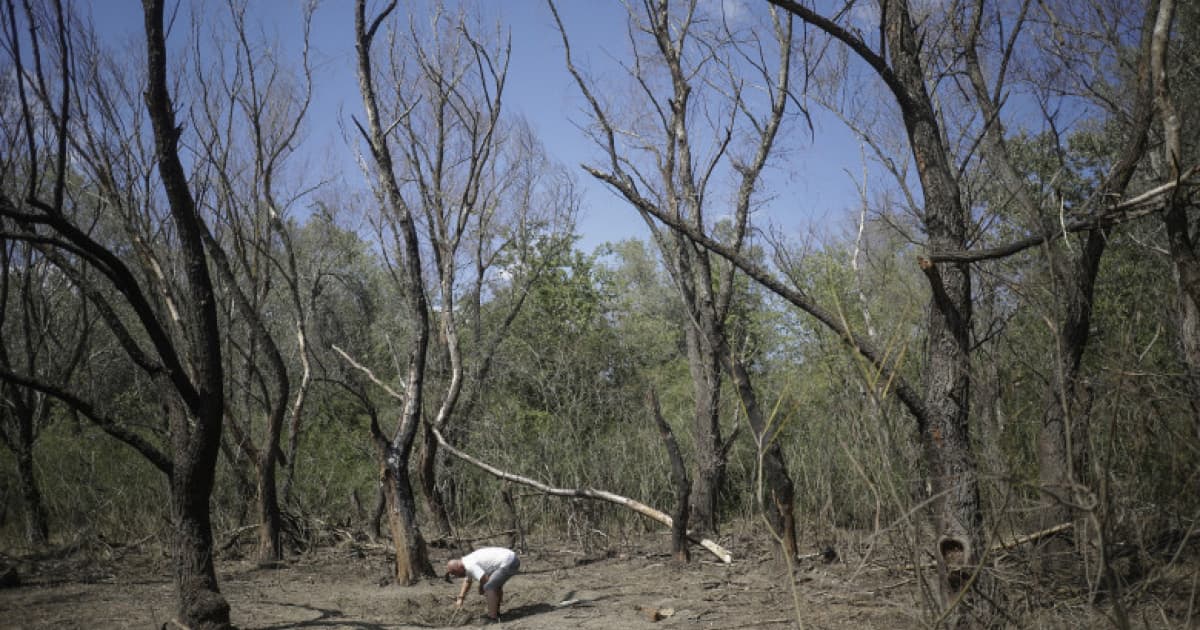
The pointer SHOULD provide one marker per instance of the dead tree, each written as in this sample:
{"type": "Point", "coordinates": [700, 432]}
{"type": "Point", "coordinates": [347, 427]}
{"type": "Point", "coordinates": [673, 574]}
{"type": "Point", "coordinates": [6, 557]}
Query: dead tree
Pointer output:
{"type": "Point", "coordinates": [249, 220]}
{"type": "Point", "coordinates": [476, 189]}
{"type": "Point", "coordinates": [664, 166]}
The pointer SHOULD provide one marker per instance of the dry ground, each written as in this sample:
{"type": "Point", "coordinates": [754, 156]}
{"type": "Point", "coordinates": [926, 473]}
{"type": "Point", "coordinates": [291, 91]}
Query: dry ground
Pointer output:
{"type": "Point", "coordinates": [634, 585]}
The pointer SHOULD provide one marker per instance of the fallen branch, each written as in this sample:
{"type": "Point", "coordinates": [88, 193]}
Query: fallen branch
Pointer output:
{"type": "Point", "coordinates": [235, 535]}
{"type": "Point", "coordinates": [582, 493]}
{"type": "Point", "coordinates": [1033, 537]}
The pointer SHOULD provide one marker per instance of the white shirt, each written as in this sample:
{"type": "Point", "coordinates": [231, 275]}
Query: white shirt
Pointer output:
{"type": "Point", "coordinates": [487, 560]}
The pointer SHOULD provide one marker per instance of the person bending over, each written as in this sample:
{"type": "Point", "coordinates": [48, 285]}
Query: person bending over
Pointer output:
{"type": "Point", "coordinates": [491, 567]}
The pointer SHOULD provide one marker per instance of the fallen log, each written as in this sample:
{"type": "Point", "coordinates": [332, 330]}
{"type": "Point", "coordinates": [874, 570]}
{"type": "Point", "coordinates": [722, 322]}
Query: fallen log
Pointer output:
{"type": "Point", "coordinates": [579, 493]}
{"type": "Point", "coordinates": [582, 493]}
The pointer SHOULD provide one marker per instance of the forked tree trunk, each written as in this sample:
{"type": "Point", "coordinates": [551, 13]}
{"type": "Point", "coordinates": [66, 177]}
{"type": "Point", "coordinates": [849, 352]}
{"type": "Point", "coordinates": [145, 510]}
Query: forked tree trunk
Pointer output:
{"type": "Point", "coordinates": [196, 433]}
{"type": "Point", "coordinates": [412, 560]}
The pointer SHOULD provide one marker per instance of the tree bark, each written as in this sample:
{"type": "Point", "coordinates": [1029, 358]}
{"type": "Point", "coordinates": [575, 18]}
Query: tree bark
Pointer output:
{"type": "Point", "coordinates": [679, 477]}
{"type": "Point", "coordinates": [945, 438]}
{"type": "Point", "coordinates": [37, 530]}
{"type": "Point", "coordinates": [706, 427]}
{"type": "Point", "coordinates": [411, 558]}
{"type": "Point", "coordinates": [434, 501]}
{"type": "Point", "coordinates": [199, 600]}
{"type": "Point", "coordinates": [195, 427]}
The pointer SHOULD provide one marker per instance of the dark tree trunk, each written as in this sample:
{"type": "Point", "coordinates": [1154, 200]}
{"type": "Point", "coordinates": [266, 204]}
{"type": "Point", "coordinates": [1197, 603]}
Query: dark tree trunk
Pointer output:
{"type": "Point", "coordinates": [412, 560]}
{"type": "Point", "coordinates": [945, 437]}
{"type": "Point", "coordinates": [710, 461]}
{"type": "Point", "coordinates": [37, 531]}
{"type": "Point", "coordinates": [196, 433]}
{"type": "Point", "coordinates": [429, 491]}
{"type": "Point", "coordinates": [679, 478]}
{"type": "Point", "coordinates": [200, 603]}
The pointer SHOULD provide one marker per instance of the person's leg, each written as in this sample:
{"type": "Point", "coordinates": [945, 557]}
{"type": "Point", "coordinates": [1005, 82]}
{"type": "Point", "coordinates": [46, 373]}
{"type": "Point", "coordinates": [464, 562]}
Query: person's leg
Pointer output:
{"type": "Point", "coordinates": [494, 590]}
{"type": "Point", "coordinates": [494, 597]}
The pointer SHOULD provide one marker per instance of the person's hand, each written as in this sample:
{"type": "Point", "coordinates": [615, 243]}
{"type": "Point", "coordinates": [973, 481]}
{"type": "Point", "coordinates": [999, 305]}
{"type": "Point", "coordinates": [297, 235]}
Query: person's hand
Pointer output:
{"type": "Point", "coordinates": [483, 580]}
{"type": "Point", "coordinates": [458, 602]}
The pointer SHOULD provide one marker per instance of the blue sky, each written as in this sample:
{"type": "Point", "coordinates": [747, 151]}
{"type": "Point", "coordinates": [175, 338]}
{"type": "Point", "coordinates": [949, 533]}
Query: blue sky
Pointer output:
{"type": "Point", "coordinates": [812, 189]}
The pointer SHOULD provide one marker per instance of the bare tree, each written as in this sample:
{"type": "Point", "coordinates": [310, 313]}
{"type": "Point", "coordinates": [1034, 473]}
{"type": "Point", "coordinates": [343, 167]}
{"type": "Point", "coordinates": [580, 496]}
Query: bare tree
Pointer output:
{"type": "Point", "coordinates": [702, 120]}
{"type": "Point", "coordinates": [477, 191]}
{"type": "Point", "coordinates": [253, 92]}
{"type": "Point", "coordinates": [412, 560]}
{"type": "Point", "coordinates": [181, 325]}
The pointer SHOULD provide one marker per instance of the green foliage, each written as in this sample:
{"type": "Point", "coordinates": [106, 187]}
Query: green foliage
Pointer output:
{"type": "Point", "coordinates": [93, 488]}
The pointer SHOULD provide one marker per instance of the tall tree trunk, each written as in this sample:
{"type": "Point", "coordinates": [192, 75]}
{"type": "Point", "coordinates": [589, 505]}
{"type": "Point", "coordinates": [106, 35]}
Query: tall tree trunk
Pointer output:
{"type": "Point", "coordinates": [196, 433]}
{"type": "Point", "coordinates": [37, 531]}
{"type": "Point", "coordinates": [200, 602]}
{"type": "Point", "coordinates": [945, 437]}
{"type": "Point", "coordinates": [412, 560]}
{"type": "Point", "coordinates": [434, 501]}
{"type": "Point", "coordinates": [710, 461]}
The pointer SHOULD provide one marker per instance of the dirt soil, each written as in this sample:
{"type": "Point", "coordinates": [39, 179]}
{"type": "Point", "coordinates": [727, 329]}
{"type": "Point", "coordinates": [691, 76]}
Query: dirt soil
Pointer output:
{"type": "Point", "coordinates": [635, 586]}
{"type": "Point", "coordinates": [631, 585]}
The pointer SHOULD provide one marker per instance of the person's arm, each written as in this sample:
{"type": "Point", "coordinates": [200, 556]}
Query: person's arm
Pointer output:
{"type": "Point", "coordinates": [483, 580]}
{"type": "Point", "coordinates": [462, 593]}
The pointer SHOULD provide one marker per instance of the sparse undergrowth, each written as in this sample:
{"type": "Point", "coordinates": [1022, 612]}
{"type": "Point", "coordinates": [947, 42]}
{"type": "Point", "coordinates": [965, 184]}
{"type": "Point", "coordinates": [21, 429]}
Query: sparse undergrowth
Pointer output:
{"type": "Point", "coordinates": [630, 584]}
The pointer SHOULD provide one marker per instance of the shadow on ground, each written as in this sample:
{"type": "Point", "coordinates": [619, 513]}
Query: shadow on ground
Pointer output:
{"type": "Point", "coordinates": [528, 610]}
